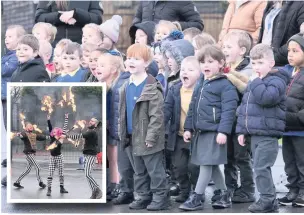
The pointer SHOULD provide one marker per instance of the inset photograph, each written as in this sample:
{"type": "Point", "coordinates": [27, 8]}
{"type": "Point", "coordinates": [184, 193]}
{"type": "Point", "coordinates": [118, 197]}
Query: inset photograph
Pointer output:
{"type": "Point", "coordinates": [56, 134]}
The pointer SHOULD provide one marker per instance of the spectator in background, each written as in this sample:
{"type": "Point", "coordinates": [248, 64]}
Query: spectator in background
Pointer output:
{"type": "Point", "coordinates": [69, 17]}
{"type": "Point", "coordinates": [9, 61]}
{"type": "Point", "coordinates": [281, 20]}
{"type": "Point", "coordinates": [183, 13]}
{"type": "Point", "coordinates": [190, 33]}
{"type": "Point", "coordinates": [243, 15]}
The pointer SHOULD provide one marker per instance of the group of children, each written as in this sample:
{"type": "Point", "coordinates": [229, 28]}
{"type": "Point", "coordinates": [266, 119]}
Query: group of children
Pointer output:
{"type": "Point", "coordinates": [56, 137]}
{"type": "Point", "coordinates": [181, 96]}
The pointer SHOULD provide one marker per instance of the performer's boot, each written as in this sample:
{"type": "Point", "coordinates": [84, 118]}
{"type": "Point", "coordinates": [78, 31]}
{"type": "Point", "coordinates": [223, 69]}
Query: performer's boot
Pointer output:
{"type": "Point", "coordinates": [18, 185]}
{"type": "Point", "coordinates": [42, 185]}
{"type": "Point", "coordinates": [93, 194]}
{"type": "Point", "coordinates": [49, 191]}
{"type": "Point", "coordinates": [62, 190]}
{"type": "Point", "coordinates": [98, 193]}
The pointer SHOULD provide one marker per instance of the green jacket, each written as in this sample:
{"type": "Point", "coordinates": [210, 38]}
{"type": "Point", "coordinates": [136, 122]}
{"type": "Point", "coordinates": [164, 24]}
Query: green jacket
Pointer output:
{"type": "Point", "coordinates": [147, 119]}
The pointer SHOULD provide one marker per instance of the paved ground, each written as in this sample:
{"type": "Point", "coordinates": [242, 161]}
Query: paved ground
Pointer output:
{"type": "Point", "coordinates": [109, 208]}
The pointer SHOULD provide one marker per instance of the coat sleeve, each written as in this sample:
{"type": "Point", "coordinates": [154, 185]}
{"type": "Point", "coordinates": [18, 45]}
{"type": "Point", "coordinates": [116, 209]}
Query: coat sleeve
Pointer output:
{"type": "Point", "coordinates": [229, 102]}
{"type": "Point", "coordinates": [156, 118]}
{"type": "Point", "coordinates": [268, 94]}
{"type": "Point", "coordinates": [8, 67]}
{"type": "Point", "coordinates": [65, 125]}
{"type": "Point", "coordinates": [258, 15]}
{"type": "Point", "coordinates": [50, 125]}
{"type": "Point", "coordinates": [189, 13]}
{"type": "Point", "coordinates": [138, 15]}
{"type": "Point", "coordinates": [93, 15]}
{"type": "Point", "coordinates": [41, 137]}
{"type": "Point", "coordinates": [169, 105]}
{"type": "Point", "coordinates": [295, 119]}
{"type": "Point", "coordinates": [226, 22]}
{"type": "Point", "coordinates": [44, 14]}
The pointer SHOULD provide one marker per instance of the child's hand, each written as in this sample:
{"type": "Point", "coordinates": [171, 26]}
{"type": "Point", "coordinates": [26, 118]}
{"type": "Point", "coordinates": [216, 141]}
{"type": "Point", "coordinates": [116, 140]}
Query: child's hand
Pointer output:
{"type": "Point", "coordinates": [241, 140]}
{"type": "Point", "coordinates": [66, 115]}
{"type": "Point", "coordinates": [48, 117]}
{"type": "Point", "coordinates": [149, 145]}
{"type": "Point", "coordinates": [221, 138]}
{"type": "Point", "coordinates": [187, 136]}
{"type": "Point", "coordinates": [62, 136]}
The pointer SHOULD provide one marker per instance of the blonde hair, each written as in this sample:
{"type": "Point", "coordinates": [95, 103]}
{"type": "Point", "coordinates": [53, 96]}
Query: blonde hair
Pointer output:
{"type": "Point", "coordinates": [193, 60]}
{"type": "Point", "coordinates": [19, 30]}
{"type": "Point", "coordinates": [50, 29]}
{"type": "Point", "coordinates": [63, 43]}
{"type": "Point", "coordinates": [203, 39]}
{"type": "Point", "coordinates": [243, 39]}
{"type": "Point", "coordinates": [45, 48]}
{"type": "Point", "coordinates": [166, 24]}
{"type": "Point", "coordinates": [192, 32]}
{"type": "Point", "coordinates": [94, 27]}
{"type": "Point", "coordinates": [140, 51]}
{"type": "Point", "coordinates": [260, 51]}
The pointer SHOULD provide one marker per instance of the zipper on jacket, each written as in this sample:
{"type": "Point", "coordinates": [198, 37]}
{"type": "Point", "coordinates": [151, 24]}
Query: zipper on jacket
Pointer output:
{"type": "Point", "coordinates": [293, 80]}
{"type": "Point", "coordinates": [246, 118]}
{"type": "Point", "coordinates": [200, 98]}
{"type": "Point", "coordinates": [213, 114]}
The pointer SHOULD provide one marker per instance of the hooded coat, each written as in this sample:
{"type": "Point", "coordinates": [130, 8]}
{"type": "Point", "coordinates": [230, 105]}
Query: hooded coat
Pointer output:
{"type": "Point", "coordinates": [148, 27]}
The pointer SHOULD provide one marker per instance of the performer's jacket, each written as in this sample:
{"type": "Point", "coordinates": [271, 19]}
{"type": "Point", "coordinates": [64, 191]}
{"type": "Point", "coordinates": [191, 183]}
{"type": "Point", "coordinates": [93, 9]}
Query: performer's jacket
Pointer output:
{"type": "Point", "coordinates": [29, 139]}
{"type": "Point", "coordinates": [91, 141]}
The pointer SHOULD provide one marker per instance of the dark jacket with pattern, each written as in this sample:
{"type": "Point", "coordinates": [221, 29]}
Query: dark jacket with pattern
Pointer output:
{"type": "Point", "coordinates": [148, 119]}
{"type": "Point", "coordinates": [184, 12]}
{"type": "Point", "coordinates": [85, 12]}
{"type": "Point", "coordinates": [262, 111]}
{"type": "Point", "coordinates": [295, 103]}
{"type": "Point", "coordinates": [29, 139]}
{"type": "Point", "coordinates": [286, 24]}
{"type": "Point", "coordinates": [91, 141]}
{"type": "Point", "coordinates": [213, 106]}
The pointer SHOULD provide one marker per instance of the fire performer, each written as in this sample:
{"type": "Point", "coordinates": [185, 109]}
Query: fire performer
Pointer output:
{"type": "Point", "coordinates": [90, 151]}
{"type": "Point", "coordinates": [56, 158]}
{"type": "Point", "coordinates": [29, 139]}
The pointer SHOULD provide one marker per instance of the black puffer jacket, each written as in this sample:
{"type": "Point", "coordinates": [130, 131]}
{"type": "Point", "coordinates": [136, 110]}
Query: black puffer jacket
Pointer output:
{"type": "Point", "coordinates": [184, 12]}
{"type": "Point", "coordinates": [286, 24]}
{"type": "Point", "coordinates": [85, 12]}
{"type": "Point", "coordinates": [295, 103]}
{"type": "Point", "coordinates": [31, 71]}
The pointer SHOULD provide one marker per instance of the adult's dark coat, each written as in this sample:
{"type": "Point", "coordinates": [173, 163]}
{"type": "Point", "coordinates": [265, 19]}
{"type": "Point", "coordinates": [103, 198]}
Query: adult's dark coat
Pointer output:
{"type": "Point", "coordinates": [184, 12]}
{"type": "Point", "coordinates": [31, 71]}
{"type": "Point", "coordinates": [286, 24]}
{"type": "Point", "coordinates": [295, 103]}
{"type": "Point", "coordinates": [262, 111]}
{"type": "Point", "coordinates": [85, 12]}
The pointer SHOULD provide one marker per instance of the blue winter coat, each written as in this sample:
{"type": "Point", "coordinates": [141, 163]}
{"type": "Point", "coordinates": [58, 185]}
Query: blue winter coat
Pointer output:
{"type": "Point", "coordinates": [113, 111]}
{"type": "Point", "coordinates": [213, 106]}
{"type": "Point", "coordinates": [9, 64]}
{"type": "Point", "coordinates": [172, 114]}
{"type": "Point", "coordinates": [262, 111]}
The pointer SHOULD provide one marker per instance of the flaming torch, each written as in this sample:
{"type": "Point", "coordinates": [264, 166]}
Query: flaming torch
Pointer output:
{"type": "Point", "coordinates": [22, 118]}
{"type": "Point", "coordinates": [47, 104]}
{"type": "Point", "coordinates": [37, 129]}
{"type": "Point", "coordinates": [13, 135]}
{"type": "Point", "coordinates": [72, 100]}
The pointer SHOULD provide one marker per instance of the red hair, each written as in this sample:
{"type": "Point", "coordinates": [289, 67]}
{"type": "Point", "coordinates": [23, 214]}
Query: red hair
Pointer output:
{"type": "Point", "coordinates": [140, 51]}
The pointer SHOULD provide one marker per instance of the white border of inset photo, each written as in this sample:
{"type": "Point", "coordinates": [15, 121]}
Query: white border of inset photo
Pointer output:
{"type": "Point", "coordinates": [44, 84]}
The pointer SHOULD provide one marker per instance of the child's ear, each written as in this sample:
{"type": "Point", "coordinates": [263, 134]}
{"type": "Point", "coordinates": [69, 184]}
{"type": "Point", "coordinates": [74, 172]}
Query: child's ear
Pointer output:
{"type": "Point", "coordinates": [243, 51]}
{"type": "Point", "coordinates": [272, 63]}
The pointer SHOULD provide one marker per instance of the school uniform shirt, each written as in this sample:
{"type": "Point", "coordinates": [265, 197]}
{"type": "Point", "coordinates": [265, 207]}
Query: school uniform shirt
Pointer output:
{"type": "Point", "coordinates": [186, 95]}
{"type": "Point", "coordinates": [76, 76]}
{"type": "Point", "coordinates": [133, 92]}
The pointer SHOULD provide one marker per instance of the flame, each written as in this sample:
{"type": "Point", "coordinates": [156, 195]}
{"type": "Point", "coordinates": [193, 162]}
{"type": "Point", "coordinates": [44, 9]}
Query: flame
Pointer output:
{"type": "Point", "coordinates": [22, 118]}
{"type": "Point", "coordinates": [13, 135]}
{"type": "Point", "coordinates": [37, 129]}
{"type": "Point", "coordinates": [68, 99]}
{"type": "Point", "coordinates": [72, 101]}
{"type": "Point", "coordinates": [79, 123]}
{"type": "Point", "coordinates": [64, 96]}
{"type": "Point", "coordinates": [52, 146]}
{"type": "Point", "coordinates": [47, 104]}
{"type": "Point", "coordinates": [74, 142]}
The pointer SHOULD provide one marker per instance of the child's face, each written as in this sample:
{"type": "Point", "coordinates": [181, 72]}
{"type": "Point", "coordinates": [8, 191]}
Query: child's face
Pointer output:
{"type": "Point", "coordinates": [45, 57]}
{"type": "Point", "coordinates": [85, 59]}
{"type": "Point", "coordinates": [11, 39]}
{"type": "Point", "coordinates": [211, 67]}
{"type": "Point", "coordinates": [159, 58]}
{"type": "Point", "coordinates": [104, 69]}
{"type": "Point", "coordinates": [94, 61]}
{"type": "Point", "coordinates": [107, 43]}
{"type": "Point", "coordinates": [57, 58]}
{"type": "Point", "coordinates": [171, 62]}
{"type": "Point", "coordinates": [91, 35]}
{"type": "Point", "coordinates": [232, 51]}
{"type": "Point", "coordinates": [141, 37]}
{"type": "Point", "coordinates": [189, 74]}
{"type": "Point", "coordinates": [262, 66]}
{"type": "Point", "coordinates": [136, 65]}
{"type": "Point", "coordinates": [41, 34]}
{"type": "Point", "coordinates": [70, 62]}
{"type": "Point", "coordinates": [195, 47]}
{"type": "Point", "coordinates": [188, 37]}
{"type": "Point", "coordinates": [25, 53]}
{"type": "Point", "coordinates": [295, 54]}
{"type": "Point", "coordinates": [161, 33]}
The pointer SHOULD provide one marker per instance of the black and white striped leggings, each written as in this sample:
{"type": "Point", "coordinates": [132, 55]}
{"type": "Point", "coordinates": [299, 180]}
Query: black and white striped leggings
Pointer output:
{"type": "Point", "coordinates": [89, 162]}
{"type": "Point", "coordinates": [55, 161]}
{"type": "Point", "coordinates": [31, 162]}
